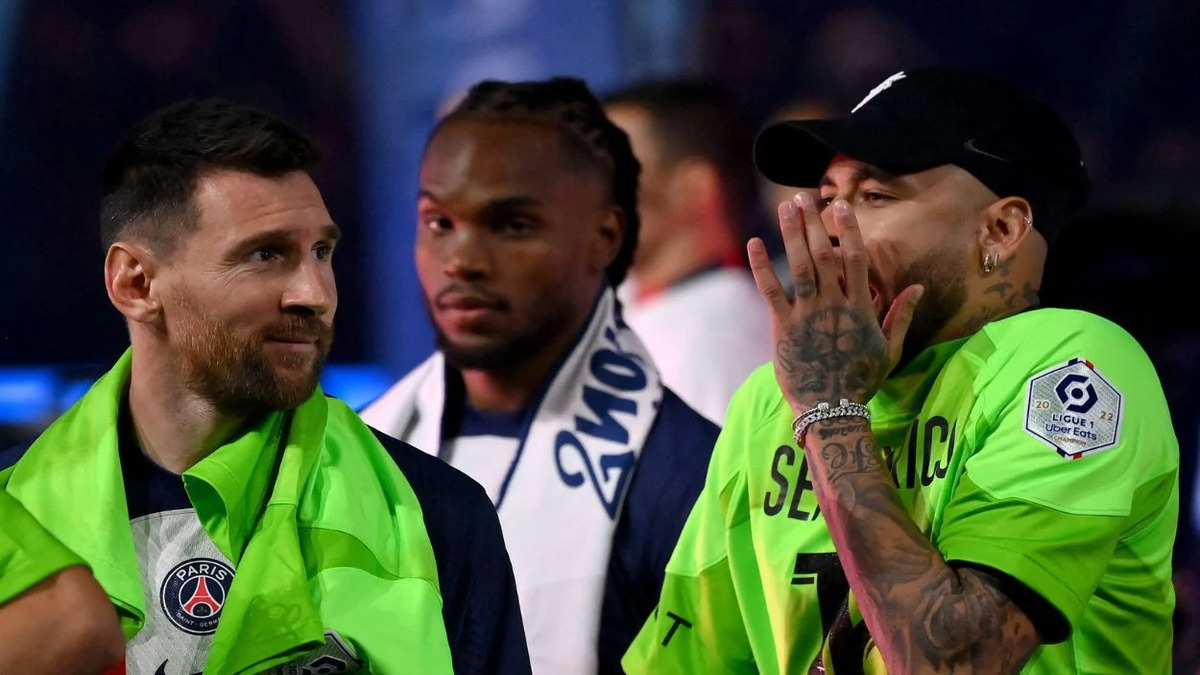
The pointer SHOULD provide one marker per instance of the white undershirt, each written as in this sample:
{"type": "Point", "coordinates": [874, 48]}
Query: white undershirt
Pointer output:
{"type": "Point", "coordinates": [486, 459]}
{"type": "Point", "coordinates": [174, 542]}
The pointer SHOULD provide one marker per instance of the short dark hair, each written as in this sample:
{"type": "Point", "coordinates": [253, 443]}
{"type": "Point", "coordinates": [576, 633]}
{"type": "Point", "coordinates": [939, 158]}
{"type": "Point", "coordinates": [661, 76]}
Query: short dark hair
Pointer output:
{"type": "Point", "coordinates": [150, 177]}
{"type": "Point", "coordinates": [568, 104]}
{"type": "Point", "coordinates": [692, 117]}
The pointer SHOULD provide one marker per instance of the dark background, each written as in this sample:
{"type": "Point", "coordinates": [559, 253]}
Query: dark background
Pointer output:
{"type": "Point", "coordinates": [76, 73]}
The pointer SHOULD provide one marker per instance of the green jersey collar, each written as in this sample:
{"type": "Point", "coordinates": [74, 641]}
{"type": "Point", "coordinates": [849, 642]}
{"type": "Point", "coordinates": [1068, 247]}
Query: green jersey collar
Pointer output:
{"type": "Point", "coordinates": [907, 387]}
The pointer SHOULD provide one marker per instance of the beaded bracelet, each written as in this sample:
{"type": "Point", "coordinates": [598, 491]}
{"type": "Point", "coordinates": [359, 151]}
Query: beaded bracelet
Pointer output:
{"type": "Point", "coordinates": [823, 411]}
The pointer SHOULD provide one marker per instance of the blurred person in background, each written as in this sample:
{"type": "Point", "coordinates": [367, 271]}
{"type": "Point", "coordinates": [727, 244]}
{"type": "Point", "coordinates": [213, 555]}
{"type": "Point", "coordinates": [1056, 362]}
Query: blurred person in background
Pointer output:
{"type": "Point", "coordinates": [238, 519]}
{"type": "Point", "coordinates": [690, 296]}
{"type": "Point", "coordinates": [936, 474]}
{"type": "Point", "coordinates": [528, 221]}
{"type": "Point", "coordinates": [54, 617]}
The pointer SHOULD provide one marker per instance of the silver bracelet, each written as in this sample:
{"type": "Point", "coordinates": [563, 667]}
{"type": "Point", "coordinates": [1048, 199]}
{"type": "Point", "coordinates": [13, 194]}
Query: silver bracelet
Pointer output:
{"type": "Point", "coordinates": [823, 411]}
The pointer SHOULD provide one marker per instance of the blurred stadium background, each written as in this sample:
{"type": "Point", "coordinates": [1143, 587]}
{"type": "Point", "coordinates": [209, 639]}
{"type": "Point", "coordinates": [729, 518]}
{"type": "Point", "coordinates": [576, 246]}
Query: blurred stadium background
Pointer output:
{"type": "Point", "coordinates": [367, 78]}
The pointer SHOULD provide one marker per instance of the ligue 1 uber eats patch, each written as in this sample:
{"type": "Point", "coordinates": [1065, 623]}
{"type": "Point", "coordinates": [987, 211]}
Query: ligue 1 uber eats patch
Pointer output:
{"type": "Point", "coordinates": [1074, 409]}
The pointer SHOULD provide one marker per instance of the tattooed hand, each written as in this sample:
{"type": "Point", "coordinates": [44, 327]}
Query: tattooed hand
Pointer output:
{"type": "Point", "coordinates": [829, 344]}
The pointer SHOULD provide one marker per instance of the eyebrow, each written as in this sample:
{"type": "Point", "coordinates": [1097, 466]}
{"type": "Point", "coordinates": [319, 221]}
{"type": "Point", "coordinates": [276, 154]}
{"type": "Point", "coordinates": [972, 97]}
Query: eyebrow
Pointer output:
{"type": "Point", "coordinates": [865, 172]}
{"type": "Point", "coordinates": [330, 231]}
{"type": "Point", "coordinates": [501, 204]}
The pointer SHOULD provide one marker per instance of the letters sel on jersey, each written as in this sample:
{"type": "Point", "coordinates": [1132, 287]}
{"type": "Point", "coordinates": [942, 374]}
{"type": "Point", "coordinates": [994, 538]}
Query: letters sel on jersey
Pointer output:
{"type": "Point", "coordinates": [193, 594]}
{"type": "Point", "coordinates": [1074, 409]}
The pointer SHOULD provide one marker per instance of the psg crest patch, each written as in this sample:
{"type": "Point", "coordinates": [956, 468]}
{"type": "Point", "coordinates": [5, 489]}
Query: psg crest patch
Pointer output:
{"type": "Point", "coordinates": [1073, 409]}
{"type": "Point", "coordinates": [194, 592]}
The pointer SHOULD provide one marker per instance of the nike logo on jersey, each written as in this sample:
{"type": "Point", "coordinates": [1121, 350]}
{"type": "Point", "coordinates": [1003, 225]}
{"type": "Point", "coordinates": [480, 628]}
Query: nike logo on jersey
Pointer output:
{"type": "Point", "coordinates": [162, 669]}
{"type": "Point", "coordinates": [335, 657]}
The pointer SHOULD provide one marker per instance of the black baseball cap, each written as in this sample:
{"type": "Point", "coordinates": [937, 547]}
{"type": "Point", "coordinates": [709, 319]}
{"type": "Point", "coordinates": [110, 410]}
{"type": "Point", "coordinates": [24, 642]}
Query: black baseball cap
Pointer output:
{"type": "Point", "coordinates": [916, 120]}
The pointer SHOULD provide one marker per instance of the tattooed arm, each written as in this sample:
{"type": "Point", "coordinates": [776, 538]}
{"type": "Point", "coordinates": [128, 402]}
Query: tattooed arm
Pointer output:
{"type": "Point", "coordinates": [924, 615]}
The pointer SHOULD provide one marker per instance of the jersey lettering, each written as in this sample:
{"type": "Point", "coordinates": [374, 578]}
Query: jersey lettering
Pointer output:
{"type": "Point", "coordinates": [926, 458]}
{"type": "Point", "coordinates": [823, 570]}
{"type": "Point", "coordinates": [784, 460]}
{"type": "Point", "coordinates": [676, 622]}
{"type": "Point", "coordinates": [931, 444]}
{"type": "Point", "coordinates": [939, 427]}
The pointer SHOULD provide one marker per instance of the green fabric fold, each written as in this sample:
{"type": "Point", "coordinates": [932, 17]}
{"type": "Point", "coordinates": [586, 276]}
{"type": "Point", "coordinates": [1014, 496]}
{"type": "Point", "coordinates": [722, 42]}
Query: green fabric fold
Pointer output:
{"type": "Point", "coordinates": [28, 554]}
{"type": "Point", "coordinates": [323, 529]}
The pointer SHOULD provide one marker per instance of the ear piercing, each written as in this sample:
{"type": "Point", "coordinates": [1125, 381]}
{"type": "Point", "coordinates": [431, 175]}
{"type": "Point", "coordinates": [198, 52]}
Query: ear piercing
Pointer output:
{"type": "Point", "coordinates": [990, 260]}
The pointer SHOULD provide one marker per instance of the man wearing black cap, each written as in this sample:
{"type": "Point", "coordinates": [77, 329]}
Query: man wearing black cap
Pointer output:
{"type": "Point", "coordinates": [936, 475]}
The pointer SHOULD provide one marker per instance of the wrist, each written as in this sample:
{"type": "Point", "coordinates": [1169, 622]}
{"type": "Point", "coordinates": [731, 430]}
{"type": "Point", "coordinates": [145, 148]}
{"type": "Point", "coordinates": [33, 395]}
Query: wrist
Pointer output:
{"type": "Point", "coordinates": [842, 413]}
{"type": "Point", "coordinates": [820, 432]}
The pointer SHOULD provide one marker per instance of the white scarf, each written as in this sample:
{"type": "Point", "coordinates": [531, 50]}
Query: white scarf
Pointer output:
{"type": "Point", "coordinates": [564, 492]}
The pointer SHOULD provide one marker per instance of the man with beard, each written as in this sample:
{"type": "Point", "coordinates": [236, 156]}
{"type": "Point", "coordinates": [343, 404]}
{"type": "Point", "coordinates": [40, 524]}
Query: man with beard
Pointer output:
{"type": "Point", "coordinates": [527, 222]}
{"type": "Point", "coordinates": [935, 475]}
{"type": "Point", "coordinates": [238, 519]}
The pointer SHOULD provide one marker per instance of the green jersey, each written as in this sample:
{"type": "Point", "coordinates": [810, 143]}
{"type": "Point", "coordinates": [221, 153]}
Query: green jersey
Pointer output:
{"type": "Point", "coordinates": [28, 553]}
{"type": "Point", "coordinates": [1041, 447]}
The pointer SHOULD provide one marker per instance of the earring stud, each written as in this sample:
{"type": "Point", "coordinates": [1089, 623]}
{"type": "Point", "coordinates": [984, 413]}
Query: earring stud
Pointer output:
{"type": "Point", "coordinates": [989, 262]}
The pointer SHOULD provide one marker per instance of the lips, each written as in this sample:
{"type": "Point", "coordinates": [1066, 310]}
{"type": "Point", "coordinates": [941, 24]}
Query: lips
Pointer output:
{"type": "Point", "coordinates": [877, 299]}
{"type": "Point", "coordinates": [466, 302]}
{"type": "Point", "coordinates": [465, 310]}
{"type": "Point", "coordinates": [297, 337]}
{"type": "Point", "coordinates": [463, 299]}
{"type": "Point", "coordinates": [300, 331]}
{"type": "Point", "coordinates": [295, 340]}
{"type": "Point", "coordinates": [875, 289]}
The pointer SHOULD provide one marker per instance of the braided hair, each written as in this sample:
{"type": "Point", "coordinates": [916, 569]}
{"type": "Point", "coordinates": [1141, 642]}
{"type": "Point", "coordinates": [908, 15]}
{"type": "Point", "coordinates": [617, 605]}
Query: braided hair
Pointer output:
{"type": "Point", "coordinates": [589, 136]}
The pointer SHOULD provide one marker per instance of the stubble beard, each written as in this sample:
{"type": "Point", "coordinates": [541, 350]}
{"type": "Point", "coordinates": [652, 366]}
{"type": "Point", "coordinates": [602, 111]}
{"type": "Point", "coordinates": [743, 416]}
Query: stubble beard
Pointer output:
{"type": "Point", "coordinates": [945, 294]}
{"type": "Point", "coordinates": [504, 352]}
{"type": "Point", "coordinates": [235, 374]}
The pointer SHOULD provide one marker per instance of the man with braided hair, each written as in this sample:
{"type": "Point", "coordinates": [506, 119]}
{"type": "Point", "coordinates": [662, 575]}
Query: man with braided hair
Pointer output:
{"type": "Point", "coordinates": [527, 222]}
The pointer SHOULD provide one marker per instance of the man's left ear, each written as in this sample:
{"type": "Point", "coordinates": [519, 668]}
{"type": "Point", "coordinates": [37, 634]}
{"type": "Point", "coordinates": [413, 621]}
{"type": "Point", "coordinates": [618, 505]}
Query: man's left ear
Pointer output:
{"type": "Point", "coordinates": [606, 243]}
{"type": "Point", "coordinates": [1009, 222]}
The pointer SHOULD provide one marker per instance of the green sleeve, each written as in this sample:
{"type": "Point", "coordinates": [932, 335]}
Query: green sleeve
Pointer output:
{"type": "Point", "coordinates": [697, 626]}
{"type": "Point", "coordinates": [1059, 556]}
{"type": "Point", "coordinates": [28, 554]}
{"type": "Point", "coordinates": [1065, 522]}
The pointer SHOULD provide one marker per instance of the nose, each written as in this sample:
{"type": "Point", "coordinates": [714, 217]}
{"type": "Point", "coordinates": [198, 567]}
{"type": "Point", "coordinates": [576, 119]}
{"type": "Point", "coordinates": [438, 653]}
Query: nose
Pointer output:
{"type": "Point", "coordinates": [311, 288]}
{"type": "Point", "coordinates": [466, 254]}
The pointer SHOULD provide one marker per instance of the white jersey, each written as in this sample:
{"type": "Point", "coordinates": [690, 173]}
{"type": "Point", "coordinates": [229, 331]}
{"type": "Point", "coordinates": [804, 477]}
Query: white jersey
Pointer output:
{"type": "Point", "coordinates": [705, 334]}
{"type": "Point", "coordinates": [185, 579]}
